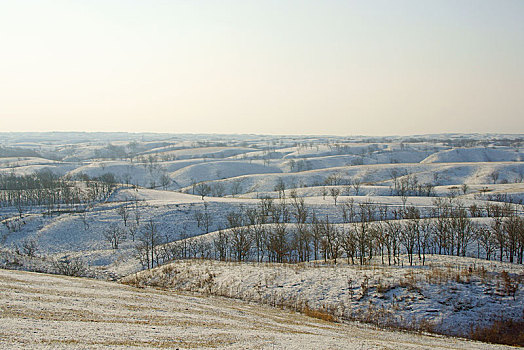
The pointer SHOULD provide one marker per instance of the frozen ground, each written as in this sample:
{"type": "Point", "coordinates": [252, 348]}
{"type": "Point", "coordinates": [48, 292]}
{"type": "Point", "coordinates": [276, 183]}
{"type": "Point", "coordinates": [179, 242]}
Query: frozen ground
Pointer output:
{"type": "Point", "coordinates": [41, 311]}
{"type": "Point", "coordinates": [158, 178]}
{"type": "Point", "coordinates": [450, 295]}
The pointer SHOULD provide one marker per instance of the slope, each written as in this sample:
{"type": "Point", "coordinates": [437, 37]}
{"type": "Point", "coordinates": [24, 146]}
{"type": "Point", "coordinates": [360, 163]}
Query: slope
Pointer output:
{"type": "Point", "coordinates": [55, 312]}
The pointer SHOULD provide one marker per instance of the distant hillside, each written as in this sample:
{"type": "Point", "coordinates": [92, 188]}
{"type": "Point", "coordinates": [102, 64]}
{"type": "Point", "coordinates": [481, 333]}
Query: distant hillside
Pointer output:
{"type": "Point", "coordinates": [17, 152]}
{"type": "Point", "coordinates": [478, 154]}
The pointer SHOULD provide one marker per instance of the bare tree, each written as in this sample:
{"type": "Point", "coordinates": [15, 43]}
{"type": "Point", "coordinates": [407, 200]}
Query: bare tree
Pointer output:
{"type": "Point", "coordinates": [426, 235]}
{"type": "Point", "coordinates": [348, 211]}
{"type": "Point", "coordinates": [333, 179]}
{"type": "Point", "coordinates": [331, 240]}
{"type": "Point", "coordinates": [356, 184]}
{"type": "Point", "coordinates": [514, 227]}
{"type": "Point", "coordinates": [485, 239]}
{"type": "Point", "coordinates": [124, 213]}
{"type": "Point", "coordinates": [207, 219]}
{"type": "Point", "coordinates": [198, 215]}
{"type": "Point", "coordinates": [133, 230]}
{"type": "Point", "coordinates": [300, 210]}
{"type": "Point", "coordinates": [202, 189]}
{"type": "Point", "coordinates": [218, 189]}
{"type": "Point", "coordinates": [258, 232]}
{"type": "Point", "coordinates": [349, 243]}
{"type": "Point", "coordinates": [499, 235]}
{"type": "Point", "coordinates": [494, 175]}
{"type": "Point", "coordinates": [277, 245]}
{"type": "Point", "coordinates": [475, 211]}
{"type": "Point", "coordinates": [392, 230]}
{"type": "Point", "coordinates": [221, 245]}
{"type": "Point", "coordinates": [114, 235]}
{"type": "Point", "coordinates": [441, 228]}
{"type": "Point", "coordinates": [316, 235]}
{"type": "Point", "coordinates": [335, 192]}
{"type": "Point", "coordinates": [241, 242]}
{"type": "Point", "coordinates": [363, 232]}
{"type": "Point", "coordinates": [324, 192]}
{"type": "Point", "coordinates": [165, 180]}
{"type": "Point", "coordinates": [236, 187]}
{"type": "Point", "coordinates": [461, 230]}
{"type": "Point", "coordinates": [266, 206]}
{"type": "Point", "coordinates": [280, 187]}
{"type": "Point", "coordinates": [148, 240]}
{"type": "Point", "coordinates": [411, 233]}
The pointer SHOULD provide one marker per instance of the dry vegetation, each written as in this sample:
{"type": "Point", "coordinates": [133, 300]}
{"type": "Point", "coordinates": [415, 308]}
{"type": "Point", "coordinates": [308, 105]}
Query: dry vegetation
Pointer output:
{"type": "Point", "coordinates": [40, 311]}
{"type": "Point", "coordinates": [416, 299]}
{"type": "Point", "coordinates": [502, 331]}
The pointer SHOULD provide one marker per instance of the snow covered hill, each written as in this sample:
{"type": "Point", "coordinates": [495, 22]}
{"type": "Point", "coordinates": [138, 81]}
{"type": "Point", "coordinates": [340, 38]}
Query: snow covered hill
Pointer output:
{"type": "Point", "coordinates": [41, 311]}
{"type": "Point", "coordinates": [459, 155]}
{"type": "Point", "coordinates": [91, 197]}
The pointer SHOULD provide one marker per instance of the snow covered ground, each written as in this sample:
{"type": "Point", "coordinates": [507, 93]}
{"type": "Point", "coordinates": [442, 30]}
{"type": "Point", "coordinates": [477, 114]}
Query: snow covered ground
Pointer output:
{"type": "Point", "coordinates": [450, 295]}
{"type": "Point", "coordinates": [41, 311]}
{"type": "Point", "coordinates": [240, 169]}
{"type": "Point", "coordinates": [159, 178]}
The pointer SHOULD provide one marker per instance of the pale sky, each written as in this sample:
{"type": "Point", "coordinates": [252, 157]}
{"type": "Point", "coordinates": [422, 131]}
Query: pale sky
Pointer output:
{"type": "Point", "coordinates": [275, 67]}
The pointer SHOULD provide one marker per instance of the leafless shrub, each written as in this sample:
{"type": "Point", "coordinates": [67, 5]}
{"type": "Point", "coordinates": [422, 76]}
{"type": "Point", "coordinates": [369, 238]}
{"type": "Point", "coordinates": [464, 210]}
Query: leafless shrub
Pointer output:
{"type": "Point", "coordinates": [29, 247]}
{"type": "Point", "coordinates": [409, 281]}
{"type": "Point", "coordinates": [510, 285]}
{"type": "Point", "coordinates": [383, 288]}
{"type": "Point", "coordinates": [71, 267]}
{"type": "Point", "coordinates": [364, 287]}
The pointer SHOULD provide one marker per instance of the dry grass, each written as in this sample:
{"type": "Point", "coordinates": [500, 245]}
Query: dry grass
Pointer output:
{"type": "Point", "coordinates": [508, 332]}
{"type": "Point", "coordinates": [320, 314]}
{"type": "Point", "coordinates": [425, 325]}
{"type": "Point", "coordinates": [409, 281]}
{"type": "Point", "coordinates": [511, 285]}
{"type": "Point", "coordinates": [441, 275]}
{"type": "Point", "coordinates": [182, 277]}
{"type": "Point", "coordinates": [382, 287]}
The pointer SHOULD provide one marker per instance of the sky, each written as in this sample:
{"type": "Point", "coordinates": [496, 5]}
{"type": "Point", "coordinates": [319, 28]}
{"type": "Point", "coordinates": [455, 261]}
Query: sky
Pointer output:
{"type": "Point", "coordinates": [266, 67]}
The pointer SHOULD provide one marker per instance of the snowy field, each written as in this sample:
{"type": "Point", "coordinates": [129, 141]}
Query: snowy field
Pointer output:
{"type": "Point", "coordinates": [450, 295]}
{"type": "Point", "coordinates": [55, 312]}
{"type": "Point", "coordinates": [90, 200]}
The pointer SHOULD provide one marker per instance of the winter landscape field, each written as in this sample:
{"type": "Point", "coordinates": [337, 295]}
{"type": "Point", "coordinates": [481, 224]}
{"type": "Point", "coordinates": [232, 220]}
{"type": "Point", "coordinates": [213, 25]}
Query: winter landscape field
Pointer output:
{"type": "Point", "coordinates": [246, 174]}
{"type": "Point", "coordinates": [255, 241]}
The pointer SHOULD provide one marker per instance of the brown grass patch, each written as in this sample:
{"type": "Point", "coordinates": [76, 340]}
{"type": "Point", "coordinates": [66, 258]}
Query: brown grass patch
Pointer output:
{"type": "Point", "coordinates": [320, 314]}
{"type": "Point", "coordinates": [508, 332]}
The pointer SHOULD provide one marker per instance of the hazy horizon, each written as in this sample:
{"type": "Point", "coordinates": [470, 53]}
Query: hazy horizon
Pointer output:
{"type": "Point", "coordinates": [277, 67]}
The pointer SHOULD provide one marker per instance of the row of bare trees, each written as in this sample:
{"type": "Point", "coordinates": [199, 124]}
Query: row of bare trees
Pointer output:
{"type": "Point", "coordinates": [279, 233]}
{"type": "Point", "coordinates": [48, 190]}
{"type": "Point", "coordinates": [288, 230]}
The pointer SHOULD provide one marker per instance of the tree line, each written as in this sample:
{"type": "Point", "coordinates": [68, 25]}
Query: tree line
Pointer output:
{"type": "Point", "coordinates": [276, 231]}
{"type": "Point", "coordinates": [44, 188]}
